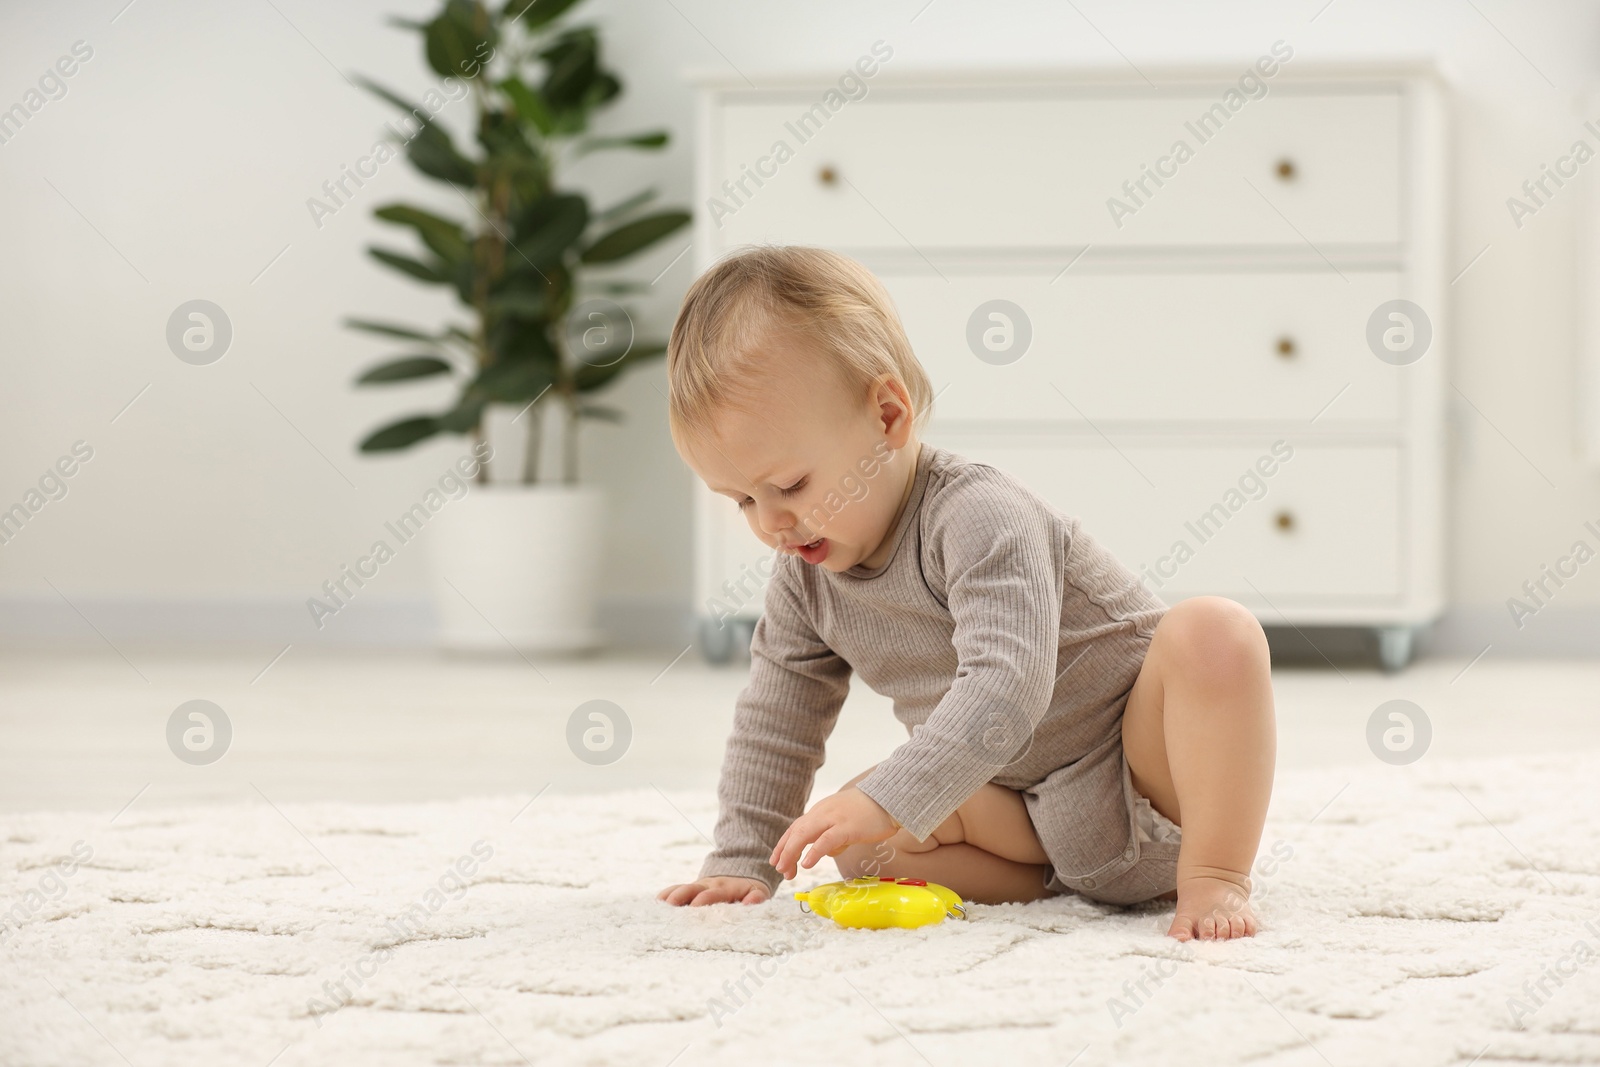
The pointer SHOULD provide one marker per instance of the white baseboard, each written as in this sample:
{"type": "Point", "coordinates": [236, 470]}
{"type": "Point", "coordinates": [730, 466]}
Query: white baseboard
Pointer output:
{"type": "Point", "coordinates": [1558, 630]}
{"type": "Point", "coordinates": [630, 622]}
{"type": "Point", "coordinates": [658, 621]}
{"type": "Point", "coordinates": [1463, 631]}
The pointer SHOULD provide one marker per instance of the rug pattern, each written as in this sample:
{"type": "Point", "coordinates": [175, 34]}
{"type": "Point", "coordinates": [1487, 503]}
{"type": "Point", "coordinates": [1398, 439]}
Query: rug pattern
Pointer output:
{"type": "Point", "coordinates": [1441, 913]}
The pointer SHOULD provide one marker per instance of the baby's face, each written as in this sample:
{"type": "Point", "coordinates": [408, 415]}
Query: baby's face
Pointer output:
{"type": "Point", "coordinates": [811, 463]}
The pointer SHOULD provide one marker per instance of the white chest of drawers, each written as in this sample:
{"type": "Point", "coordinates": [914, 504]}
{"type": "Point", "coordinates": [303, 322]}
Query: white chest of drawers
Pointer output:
{"type": "Point", "coordinates": [1211, 380]}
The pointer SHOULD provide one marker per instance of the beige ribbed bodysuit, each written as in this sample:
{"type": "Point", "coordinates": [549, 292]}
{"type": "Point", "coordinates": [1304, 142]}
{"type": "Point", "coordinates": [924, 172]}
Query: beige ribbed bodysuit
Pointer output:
{"type": "Point", "coordinates": [1008, 640]}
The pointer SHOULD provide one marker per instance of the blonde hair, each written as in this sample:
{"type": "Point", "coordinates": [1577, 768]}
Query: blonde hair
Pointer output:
{"type": "Point", "coordinates": [829, 298]}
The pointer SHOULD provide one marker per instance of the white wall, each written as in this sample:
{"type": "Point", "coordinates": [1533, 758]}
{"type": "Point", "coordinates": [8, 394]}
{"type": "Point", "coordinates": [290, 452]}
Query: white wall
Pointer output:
{"type": "Point", "coordinates": [192, 138]}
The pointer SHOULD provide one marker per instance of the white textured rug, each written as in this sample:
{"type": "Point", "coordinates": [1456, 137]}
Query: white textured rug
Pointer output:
{"type": "Point", "coordinates": [1431, 914]}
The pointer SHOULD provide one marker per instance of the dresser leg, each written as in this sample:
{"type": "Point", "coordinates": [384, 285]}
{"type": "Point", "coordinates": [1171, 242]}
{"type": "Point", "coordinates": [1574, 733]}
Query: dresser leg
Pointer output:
{"type": "Point", "coordinates": [1395, 644]}
{"type": "Point", "coordinates": [744, 630]}
{"type": "Point", "coordinates": [716, 642]}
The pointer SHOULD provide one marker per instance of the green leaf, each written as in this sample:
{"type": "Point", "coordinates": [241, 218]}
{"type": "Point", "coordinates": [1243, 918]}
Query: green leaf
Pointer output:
{"type": "Point", "coordinates": [603, 89]}
{"type": "Point", "coordinates": [390, 330]}
{"type": "Point", "coordinates": [569, 122]}
{"type": "Point", "coordinates": [517, 340]}
{"type": "Point", "coordinates": [573, 63]}
{"type": "Point", "coordinates": [406, 265]}
{"type": "Point", "coordinates": [402, 434]}
{"type": "Point", "coordinates": [404, 369]}
{"type": "Point", "coordinates": [627, 239]}
{"type": "Point", "coordinates": [407, 215]}
{"type": "Point", "coordinates": [521, 303]}
{"type": "Point", "coordinates": [465, 416]}
{"type": "Point", "coordinates": [445, 237]}
{"type": "Point", "coordinates": [657, 139]}
{"type": "Point", "coordinates": [588, 377]}
{"type": "Point", "coordinates": [613, 288]}
{"type": "Point", "coordinates": [552, 224]}
{"type": "Point", "coordinates": [460, 39]}
{"type": "Point", "coordinates": [463, 274]}
{"type": "Point", "coordinates": [514, 381]}
{"type": "Point", "coordinates": [389, 95]}
{"type": "Point", "coordinates": [505, 144]}
{"type": "Point", "coordinates": [535, 13]}
{"type": "Point", "coordinates": [430, 149]}
{"type": "Point", "coordinates": [433, 153]}
{"type": "Point", "coordinates": [530, 106]}
{"type": "Point", "coordinates": [600, 411]}
{"type": "Point", "coordinates": [618, 210]}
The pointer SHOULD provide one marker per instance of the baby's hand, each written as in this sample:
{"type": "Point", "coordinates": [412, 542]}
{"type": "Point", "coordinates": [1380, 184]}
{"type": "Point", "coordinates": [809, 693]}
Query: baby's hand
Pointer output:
{"type": "Point", "coordinates": [718, 889]}
{"type": "Point", "coordinates": [848, 817]}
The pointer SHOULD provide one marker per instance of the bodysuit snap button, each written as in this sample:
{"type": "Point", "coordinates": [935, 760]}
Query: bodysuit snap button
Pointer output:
{"type": "Point", "coordinates": [1127, 853]}
{"type": "Point", "coordinates": [1088, 883]}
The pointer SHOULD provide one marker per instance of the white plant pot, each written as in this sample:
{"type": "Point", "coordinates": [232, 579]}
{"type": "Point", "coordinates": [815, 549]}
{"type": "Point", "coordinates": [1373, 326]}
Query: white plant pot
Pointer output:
{"type": "Point", "coordinates": [518, 564]}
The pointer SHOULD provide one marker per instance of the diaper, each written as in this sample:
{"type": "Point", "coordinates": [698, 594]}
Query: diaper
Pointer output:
{"type": "Point", "coordinates": [1151, 824]}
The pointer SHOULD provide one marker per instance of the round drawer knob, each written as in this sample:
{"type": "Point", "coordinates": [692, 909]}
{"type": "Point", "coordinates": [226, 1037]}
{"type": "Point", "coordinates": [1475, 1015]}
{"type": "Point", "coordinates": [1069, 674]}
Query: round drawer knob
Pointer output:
{"type": "Point", "coordinates": [1285, 520]}
{"type": "Point", "coordinates": [828, 176]}
{"type": "Point", "coordinates": [1285, 170]}
{"type": "Point", "coordinates": [1286, 347]}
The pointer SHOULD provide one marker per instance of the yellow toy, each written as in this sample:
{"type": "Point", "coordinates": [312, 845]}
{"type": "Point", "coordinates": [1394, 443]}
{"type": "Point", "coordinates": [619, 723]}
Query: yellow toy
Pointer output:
{"type": "Point", "coordinates": [878, 903]}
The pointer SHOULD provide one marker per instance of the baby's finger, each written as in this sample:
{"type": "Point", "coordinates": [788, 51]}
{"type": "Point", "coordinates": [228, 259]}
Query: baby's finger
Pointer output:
{"type": "Point", "coordinates": [785, 843]}
{"type": "Point", "coordinates": [707, 895]}
{"type": "Point", "coordinates": [782, 861]}
{"type": "Point", "coordinates": [679, 894]}
{"type": "Point", "coordinates": [799, 836]}
{"type": "Point", "coordinates": [831, 841]}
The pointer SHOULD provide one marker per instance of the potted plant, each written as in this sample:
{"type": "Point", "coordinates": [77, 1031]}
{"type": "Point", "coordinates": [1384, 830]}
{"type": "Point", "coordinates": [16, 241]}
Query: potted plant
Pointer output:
{"type": "Point", "coordinates": [517, 560]}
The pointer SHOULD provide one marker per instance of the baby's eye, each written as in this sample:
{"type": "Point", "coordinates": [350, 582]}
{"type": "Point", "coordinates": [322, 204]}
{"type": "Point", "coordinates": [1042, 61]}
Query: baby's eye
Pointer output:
{"type": "Point", "coordinates": [790, 491]}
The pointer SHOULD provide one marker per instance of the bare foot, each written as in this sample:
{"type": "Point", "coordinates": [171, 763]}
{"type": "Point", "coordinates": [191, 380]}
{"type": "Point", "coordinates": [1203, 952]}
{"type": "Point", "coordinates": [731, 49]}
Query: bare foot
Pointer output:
{"type": "Point", "coordinates": [1212, 909]}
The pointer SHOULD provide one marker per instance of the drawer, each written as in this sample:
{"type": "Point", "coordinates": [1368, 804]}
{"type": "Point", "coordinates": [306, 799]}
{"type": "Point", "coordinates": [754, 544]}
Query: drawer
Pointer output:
{"type": "Point", "coordinates": [965, 169]}
{"type": "Point", "coordinates": [1160, 347]}
{"type": "Point", "coordinates": [1324, 527]}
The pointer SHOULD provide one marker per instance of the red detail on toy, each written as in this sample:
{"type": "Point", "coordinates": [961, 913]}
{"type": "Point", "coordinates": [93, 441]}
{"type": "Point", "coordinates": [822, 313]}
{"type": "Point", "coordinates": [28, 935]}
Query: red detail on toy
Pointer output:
{"type": "Point", "coordinates": [911, 881]}
{"type": "Point", "coordinates": [885, 878]}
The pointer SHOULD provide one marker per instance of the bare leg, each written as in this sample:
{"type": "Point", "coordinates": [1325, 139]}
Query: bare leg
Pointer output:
{"type": "Point", "coordinates": [987, 851]}
{"type": "Point", "coordinates": [1200, 736]}
{"type": "Point", "coordinates": [976, 875]}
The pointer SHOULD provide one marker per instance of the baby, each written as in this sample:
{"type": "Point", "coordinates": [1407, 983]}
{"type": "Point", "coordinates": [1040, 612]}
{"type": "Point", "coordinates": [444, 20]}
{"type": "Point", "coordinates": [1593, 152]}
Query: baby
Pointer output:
{"type": "Point", "coordinates": [1068, 730]}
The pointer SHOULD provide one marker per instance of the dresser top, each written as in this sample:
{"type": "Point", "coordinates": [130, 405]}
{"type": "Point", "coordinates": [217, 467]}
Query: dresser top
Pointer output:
{"type": "Point", "coordinates": [1149, 76]}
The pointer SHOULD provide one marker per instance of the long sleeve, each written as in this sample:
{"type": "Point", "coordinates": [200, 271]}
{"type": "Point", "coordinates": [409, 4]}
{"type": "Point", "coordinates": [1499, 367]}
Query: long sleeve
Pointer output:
{"type": "Point", "coordinates": [1003, 584]}
{"type": "Point", "coordinates": [781, 724]}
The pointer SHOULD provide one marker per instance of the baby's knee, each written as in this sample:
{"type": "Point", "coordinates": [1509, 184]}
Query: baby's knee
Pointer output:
{"type": "Point", "coordinates": [865, 860]}
{"type": "Point", "coordinates": [1215, 635]}
{"type": "Point", "coordinates": [877, 858]}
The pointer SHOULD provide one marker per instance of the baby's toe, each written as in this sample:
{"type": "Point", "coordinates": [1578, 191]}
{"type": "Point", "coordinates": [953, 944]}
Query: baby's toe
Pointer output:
{"type": "Point", "coordinates": [1240, 924]}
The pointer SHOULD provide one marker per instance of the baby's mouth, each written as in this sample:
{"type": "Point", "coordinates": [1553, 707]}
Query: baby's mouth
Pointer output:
{"type": "Point", "coordinates": [811, 551]}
